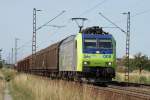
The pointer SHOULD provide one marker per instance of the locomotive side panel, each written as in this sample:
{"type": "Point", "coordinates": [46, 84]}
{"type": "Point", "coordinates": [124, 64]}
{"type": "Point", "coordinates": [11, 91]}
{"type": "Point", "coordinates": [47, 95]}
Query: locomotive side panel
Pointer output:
{"type": "Point", "coordinates": [67, 55]}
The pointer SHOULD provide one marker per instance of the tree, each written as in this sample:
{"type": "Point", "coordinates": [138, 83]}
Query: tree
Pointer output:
{"type": "Point", "coordinates": [140, 61]}
{"type": "Point", "coordinates": [131, 63]}
{"type": "Point", "coordinates": [1, 65]}
{"type": "Point", "coordinates": [147, 67]}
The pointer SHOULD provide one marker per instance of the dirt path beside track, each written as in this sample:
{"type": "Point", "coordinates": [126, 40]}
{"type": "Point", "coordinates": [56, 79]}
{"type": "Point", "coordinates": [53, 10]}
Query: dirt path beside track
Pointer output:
{"type": "Point", "coordinates": [7, 95]}
{"type": "Point", "coordinates": [4, 91]}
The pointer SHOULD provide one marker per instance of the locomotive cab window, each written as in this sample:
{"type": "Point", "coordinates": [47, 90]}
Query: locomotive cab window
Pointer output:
{"type": "Point", "coordinates": [90, 43]}
{"type": "Point", "coordinates": [105, 44]}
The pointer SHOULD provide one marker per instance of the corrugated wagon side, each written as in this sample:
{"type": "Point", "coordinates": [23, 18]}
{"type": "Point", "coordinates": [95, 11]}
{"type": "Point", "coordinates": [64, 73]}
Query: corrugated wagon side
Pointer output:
{"type": "Point", "coordinates": [52, 57]}
{"type": "Point", "coordinates": [24, 65]}
{"type": "Point", "coordinates": [46, 60]}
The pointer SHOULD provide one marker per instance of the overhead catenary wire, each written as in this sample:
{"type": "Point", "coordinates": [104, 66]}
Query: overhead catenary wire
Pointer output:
{"type": "Point", "coordinates": [57, 26]}
{"type": "Point", "coordinates": [141, 13]}
{"type": "Point", "coordinates": [136, 14]}
{"type": "Point", "coordinates": [45, 24]}
{"type": "Point", "coordinates": [25, 44]}
{"type": "Point", "coordinates": [112, 22]}
{"type": "Point", "coordinates": [94, 7]}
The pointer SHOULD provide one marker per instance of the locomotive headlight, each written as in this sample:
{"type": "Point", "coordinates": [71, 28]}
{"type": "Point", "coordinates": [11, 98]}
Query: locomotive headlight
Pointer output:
{"type": "Point", "coordinates": [109, 63]}
{"type": "Point", "coordinates": [85, 63]}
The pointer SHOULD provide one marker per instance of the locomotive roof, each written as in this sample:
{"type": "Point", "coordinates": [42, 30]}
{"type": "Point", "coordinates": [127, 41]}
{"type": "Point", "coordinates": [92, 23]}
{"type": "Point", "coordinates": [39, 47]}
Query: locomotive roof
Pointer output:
{"type": "Point", "coordinates": [107, 36]}
{"type": "Point", "coordinates": [94, 30]}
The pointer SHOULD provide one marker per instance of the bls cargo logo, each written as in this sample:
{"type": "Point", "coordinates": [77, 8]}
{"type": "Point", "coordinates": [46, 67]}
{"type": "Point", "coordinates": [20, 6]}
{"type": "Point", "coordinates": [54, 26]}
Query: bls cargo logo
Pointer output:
{"type": "Point", "coordinates": [106, 56]}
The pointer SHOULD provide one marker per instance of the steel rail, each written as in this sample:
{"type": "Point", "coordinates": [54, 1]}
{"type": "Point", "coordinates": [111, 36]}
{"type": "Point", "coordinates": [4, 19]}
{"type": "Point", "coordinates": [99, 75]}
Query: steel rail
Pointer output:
{"type": "Point", "coordinates": [122, 91]}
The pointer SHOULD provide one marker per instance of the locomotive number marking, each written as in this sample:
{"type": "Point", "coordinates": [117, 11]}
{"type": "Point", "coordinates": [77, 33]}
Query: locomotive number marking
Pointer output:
{"type": "Point", "coordinates": [106, 56]}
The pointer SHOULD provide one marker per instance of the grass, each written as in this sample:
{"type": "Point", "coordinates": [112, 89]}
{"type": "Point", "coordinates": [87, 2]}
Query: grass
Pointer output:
{"type": "Point", "coordinates": [2, 85]}
{"type": "Point", "coordinates": [8, 73]}
{"type": "Point", "coordinates": [135, 77]}
{"type": "Point", "coordinates": [29, 87]}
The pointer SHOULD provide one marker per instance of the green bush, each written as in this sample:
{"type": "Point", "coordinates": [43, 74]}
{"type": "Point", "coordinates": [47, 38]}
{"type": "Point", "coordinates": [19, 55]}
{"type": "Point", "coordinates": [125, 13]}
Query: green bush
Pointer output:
{"type": "Point", "coordinates": [143, 79]}
{"type": "Point", "coordinates": [148, 80]}
{"type": "Point", "coordinates": [8, 74]}
{"type": "Point", "coordinates": [1, 65]}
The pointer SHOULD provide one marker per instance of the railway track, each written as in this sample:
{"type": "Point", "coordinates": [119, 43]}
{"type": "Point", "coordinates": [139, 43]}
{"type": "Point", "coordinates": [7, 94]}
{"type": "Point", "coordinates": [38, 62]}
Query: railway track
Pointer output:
{"type": "Point", "coordinates": [112, 92]}
{"type": "Point", "coordinates": [121, 90]}
{"type": "Point", "coordinates": [131, 91]}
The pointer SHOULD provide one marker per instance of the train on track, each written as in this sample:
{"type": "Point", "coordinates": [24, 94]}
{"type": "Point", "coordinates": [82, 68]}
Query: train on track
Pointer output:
{"type": "Point", "coordinates": [90, 54]}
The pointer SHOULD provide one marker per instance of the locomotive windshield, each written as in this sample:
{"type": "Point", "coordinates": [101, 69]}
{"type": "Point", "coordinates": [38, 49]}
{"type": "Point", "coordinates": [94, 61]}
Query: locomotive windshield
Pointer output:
{"type": "Point", "coordinates": [101, 45]}
{"type": "Point", "coordinates": [90, 43]}
{"type": "Point", "coordinates": [97, 43]}
{"type": "Point", "coordinates": [104, 44]}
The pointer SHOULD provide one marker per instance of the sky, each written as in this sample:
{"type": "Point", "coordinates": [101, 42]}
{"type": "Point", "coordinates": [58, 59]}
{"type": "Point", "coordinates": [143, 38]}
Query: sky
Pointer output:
{"type": "Point", "coordinates": [16, 22]}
